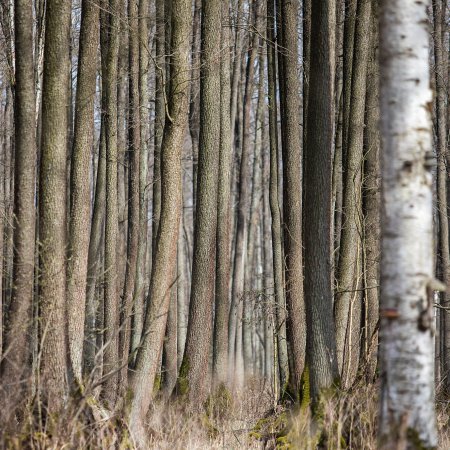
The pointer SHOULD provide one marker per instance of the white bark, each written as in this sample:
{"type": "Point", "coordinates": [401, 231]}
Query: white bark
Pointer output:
{"type": "Point", "coordinates": [407, 400]}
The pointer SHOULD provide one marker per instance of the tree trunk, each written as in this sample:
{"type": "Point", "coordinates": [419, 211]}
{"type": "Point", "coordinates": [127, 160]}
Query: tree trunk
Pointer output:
{"type": "Point", "coordinates": [80, 185]}
{"type": "Point", "coordinates": [169, 356]}
{"type": "Point", "coordinates": [348, 296]}
{"type": "Point", "coordinates": [372, 206]}
{"type": "Point", "coordinates": [292, 190]}
{"type": "Point", "coordinates": [17, 344]}
{"type": "Point", "coordinates": [322, 362]}
{"type": "Point", "coordinates": [52, 203]}
{"type": "Point", "coordinates": [442, 183]}
{"type": "Point", "coordinates": [223, 257]}
{"type": "Point", "coordinates": [275, 210]}
{"type": "Point", "coordinates": [160, 116]}
{"type": "Point", "coordinates": [348, 57]}
{"type": "Point", "coordinates": [407, 416]}
{"type": "Point", "coordinates": [94, 254]}
{"type": "Point", "coordinates": [182, 291]}
{"type": "Point", "coordinates": [194, 106]}
{"type": "Point", "coordinates": [147, 360]}
{"type": "Point", "coordinates": [134, 148]}
{"type": "Point", "coordinates": [139, 288]}
{"type": "Point", "coordinates": [111, 306]}
{"type": "Point", "coordinates": [235, 350]}
{"type": "Point", "coordinates": [194, 373]}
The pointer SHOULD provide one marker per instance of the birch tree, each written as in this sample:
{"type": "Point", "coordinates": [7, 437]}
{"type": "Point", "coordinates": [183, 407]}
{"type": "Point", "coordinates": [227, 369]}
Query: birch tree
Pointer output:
{"type": "Point", "coordinates": [407, 283]}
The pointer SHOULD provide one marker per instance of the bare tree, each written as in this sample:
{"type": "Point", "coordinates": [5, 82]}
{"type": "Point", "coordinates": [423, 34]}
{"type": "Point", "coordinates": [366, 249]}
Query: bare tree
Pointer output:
{"type": "Point", "coordinates": [17, 335]}
{"type": "Point", "coordinates": [148, 356]}
{"type": "Point", "coordinates": [134, 148]}
{"type": "Point", "coordinates": [349, 278]}
{"type": "Point", "coordinates": [292, 188]}
{"type": "Point", "coordinates": [111, 306]}
{"type": "Point", "coordinates": [407, 392]}
{"type": "Point", "coordinates": [194, 369]}
{"type": "Point", "coordinates": [275, 210]}
{"type": "Point", "coordinates": [321, 344]}
{"type": "Point", "coordinates": [79, 184]}
{"type": "Point", "coordinates": [52, 203]}
{"type": "Point", "coordinates": [223, 258]}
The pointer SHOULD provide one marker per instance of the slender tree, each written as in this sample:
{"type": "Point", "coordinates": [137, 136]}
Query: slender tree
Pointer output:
{"type": "Point", "coordinates": [17, 336]}
{"type": "Point", "coordinates": [275, 210]}
{"type": "Point", "coordinates": [235, 350]}
{"type": "Point", "coordinates": [134, 144]}
{"type": "Point", "coordinates": [79, 184]}
{"type": "Point", "coordinates": [372, 205]}
{"type": "Point", "coordinates": [169, 366]}
{"type": "Point", "coordinates": [160, 114]}
{"type": "Point", "coordinates": [223, 259]}
{"type": "Point", "coordinates": [148, 356]}
{"type": "Point", "coordinates": [292, 188]}
{"type": "Point", "coordinates": [139, 289]}
{"type": "Point", "coordinates": [52, 203]}
{"type": "Point", "coordinates": [194, 369]}
{"type": "Point", "coordinates": [111, 301]}
{"type": "Point", "coordinates": [348, 298]}
{"type": "Point", "coordinates": [442, 177]}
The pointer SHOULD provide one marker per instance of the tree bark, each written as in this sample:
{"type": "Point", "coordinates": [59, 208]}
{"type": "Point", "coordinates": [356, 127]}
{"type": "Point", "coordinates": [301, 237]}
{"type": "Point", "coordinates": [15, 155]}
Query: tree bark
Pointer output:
{"type": "Point", "coordinates": [194, 372]}
{"type": "Point", "coordinates": [139, 289]}
{"type": "Point", "coordinates": [17, 345]}
{"type": "Point", "coordinates": [348, 56]}
{"type": "Point", "coordinates": [372, 206]}
{"type": "Point", "coordinates": [194, 106]}
{"type": "Point", "coordinates": [407, 416]}
{"type": "Point", "coordinates": [275, 210]}
{"type": "Point", "coordinates": [169, 356]}
{"type": "Point", "coordinates": [321, 344]}
{"type": "Point", "coordinates": [111, 306]}
{"type": "Point", "coordinates": [147, 360]}
{"type": "Point", "coordinates": [223, 254]}
{"type": "Point", "coordinates": [80, 185]}
{"type": "Point", "coordinates": [348, 296]}
{"type": "Point", "coordinates": [235, 350]}
{"type": "Point", "coordinates": [52, 204]}
{"type": "Point", "coordinates": [160, 116]}
{"type": "Point", "coordinates": [442, 183]}
{"type": "Point", "coordinates": [134, 149]}
{"type": "Point", "coordinates": [292, 190]}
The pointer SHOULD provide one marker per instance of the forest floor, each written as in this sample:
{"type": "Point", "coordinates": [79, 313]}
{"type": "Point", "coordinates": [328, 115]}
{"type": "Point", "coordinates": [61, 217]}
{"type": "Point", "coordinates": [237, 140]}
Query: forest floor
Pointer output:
{"type": "Point", "coordinates": [249, 420]}
{"type": "Point", "coordinates": [347, 420]}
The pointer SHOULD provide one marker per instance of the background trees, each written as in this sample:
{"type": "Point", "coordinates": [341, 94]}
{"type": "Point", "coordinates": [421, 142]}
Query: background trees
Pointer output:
{"type": "Point", "coordinates": [190, 192]}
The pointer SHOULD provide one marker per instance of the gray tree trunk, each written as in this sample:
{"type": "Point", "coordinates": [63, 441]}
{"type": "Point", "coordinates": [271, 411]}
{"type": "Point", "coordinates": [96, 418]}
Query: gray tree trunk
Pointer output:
{"type": "Point", "coordinates": [321, 343]}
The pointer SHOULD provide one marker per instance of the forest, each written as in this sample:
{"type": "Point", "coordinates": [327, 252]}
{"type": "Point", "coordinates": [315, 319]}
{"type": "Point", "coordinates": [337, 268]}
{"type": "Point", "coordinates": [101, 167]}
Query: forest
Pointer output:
{"type": "Point", "coordinates": [224, 224]}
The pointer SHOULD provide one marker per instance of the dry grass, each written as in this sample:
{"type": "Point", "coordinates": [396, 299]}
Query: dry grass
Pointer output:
{"type": "Point", "coordinates": [346, 420]}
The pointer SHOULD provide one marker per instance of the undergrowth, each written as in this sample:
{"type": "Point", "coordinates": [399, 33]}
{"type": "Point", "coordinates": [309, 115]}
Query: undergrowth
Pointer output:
{"type": "Point", "coordinates": [245, 420]}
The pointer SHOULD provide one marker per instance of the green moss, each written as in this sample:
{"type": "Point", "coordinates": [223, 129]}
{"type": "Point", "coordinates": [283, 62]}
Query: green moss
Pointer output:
{"type": "Point", "coordinates": [318, 405]}
{"type": "Point", "coordinates": [182, 382]}
{"type": "Point", "coordinates": [305, 394]}
{"type": "Point", "coordinates": [272, 427]}
{"type": "Point", "coordinates": [157, 384]}
{"type": "Point", "coordinates": [212, 431]}
{"type": "Point", "coordinates": [283, 443]}
{"type": "Point", "coordinates": [218, 404]}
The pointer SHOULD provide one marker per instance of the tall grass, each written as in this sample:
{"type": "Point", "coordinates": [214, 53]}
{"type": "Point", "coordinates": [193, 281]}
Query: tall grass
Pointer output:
{"type": "Point", "coordinates": [246, 420]}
